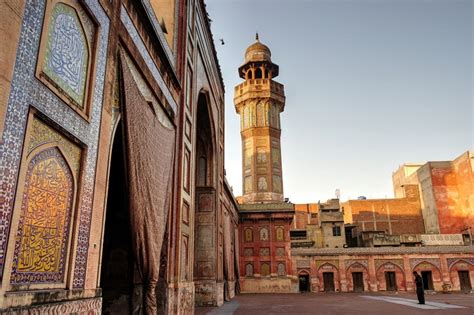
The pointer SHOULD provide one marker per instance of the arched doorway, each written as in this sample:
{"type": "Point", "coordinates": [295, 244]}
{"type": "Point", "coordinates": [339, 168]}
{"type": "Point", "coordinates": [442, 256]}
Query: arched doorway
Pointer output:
{"type": "Point", "coordinates": [117, 259]}
{"type": "Point", "coordinates": [303, 281]}
{"type": "Point", "coordinates": [390, 277]}
{"type": "Point", "coordinates": [357, 277]}
{"type": "Point", "coordinates": [328, 277]}
{"type": "Point", "coordinates": [207, 260]}
{"type": "Point", "coordinates": [431, 276]}
{"type": "Point", "coordinates": [461, 273]}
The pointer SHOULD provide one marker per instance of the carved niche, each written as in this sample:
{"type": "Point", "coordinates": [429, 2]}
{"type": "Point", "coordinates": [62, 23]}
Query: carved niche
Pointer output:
{"type": "Point", "coordinates": [264, 234]}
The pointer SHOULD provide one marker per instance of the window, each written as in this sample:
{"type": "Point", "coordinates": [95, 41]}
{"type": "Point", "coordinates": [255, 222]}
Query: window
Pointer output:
{"type": "Point", "coordinates": [298, 235]}
{"type": "Point", "coordinates": [336, 231]}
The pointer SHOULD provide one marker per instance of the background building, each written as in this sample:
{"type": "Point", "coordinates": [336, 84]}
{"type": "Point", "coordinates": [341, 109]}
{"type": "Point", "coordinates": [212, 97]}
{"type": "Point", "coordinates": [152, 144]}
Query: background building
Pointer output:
{"type": "Point", "coordinates": [446, 190]}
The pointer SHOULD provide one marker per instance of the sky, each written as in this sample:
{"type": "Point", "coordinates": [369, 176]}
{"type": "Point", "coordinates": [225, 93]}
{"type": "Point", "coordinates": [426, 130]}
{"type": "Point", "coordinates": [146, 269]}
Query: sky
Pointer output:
{"type": "Point", "coordinates": [369, 85]}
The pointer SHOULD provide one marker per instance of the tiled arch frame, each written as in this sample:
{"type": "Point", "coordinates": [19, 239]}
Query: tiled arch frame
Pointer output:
{"type": "Point", "coordinates": [27, 91]}
{"type": "Point", "coordinates": [394, 267]}
{"type": "Point", "coordinates": [86, 38]}
{"type": "Point", "coordinates": [320, 277]}
{"type": "Point", "coordinates": [49, 156]}
{"type": "Point", "coordinates": [357, 266]}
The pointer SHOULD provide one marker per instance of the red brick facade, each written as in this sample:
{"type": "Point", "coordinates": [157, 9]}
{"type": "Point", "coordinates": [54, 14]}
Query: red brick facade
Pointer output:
{"type": "Point", "coordinates": [395, 216]}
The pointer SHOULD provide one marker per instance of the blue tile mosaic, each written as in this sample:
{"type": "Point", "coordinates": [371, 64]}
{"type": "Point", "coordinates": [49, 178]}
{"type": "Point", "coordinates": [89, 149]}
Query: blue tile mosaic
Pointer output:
{"type": "Point", "coordinates": [27, 91]}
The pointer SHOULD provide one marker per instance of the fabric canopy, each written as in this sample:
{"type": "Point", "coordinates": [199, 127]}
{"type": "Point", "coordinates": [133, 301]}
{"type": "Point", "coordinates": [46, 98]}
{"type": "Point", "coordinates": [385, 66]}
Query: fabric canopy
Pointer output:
{"type": "Point", "coordinates": [150, 152]}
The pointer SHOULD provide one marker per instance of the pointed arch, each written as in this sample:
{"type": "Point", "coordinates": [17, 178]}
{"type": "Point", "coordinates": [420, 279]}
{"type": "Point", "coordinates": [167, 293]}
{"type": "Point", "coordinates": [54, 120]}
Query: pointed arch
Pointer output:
{"type": "Point", "coordinates": [43, 235]}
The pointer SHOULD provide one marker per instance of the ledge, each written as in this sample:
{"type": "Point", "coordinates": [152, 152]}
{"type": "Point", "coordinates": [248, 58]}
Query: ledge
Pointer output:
{"type": "Point", "coordinates": [382, 250]}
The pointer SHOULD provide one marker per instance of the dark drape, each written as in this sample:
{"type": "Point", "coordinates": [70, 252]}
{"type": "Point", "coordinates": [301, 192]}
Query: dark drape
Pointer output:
{"type": "Point", "coordinates": [150, 150]}
{"type": "Point", "coordinates": [236, 262]}
{"type": "Point", "coordinates": [227, 262]}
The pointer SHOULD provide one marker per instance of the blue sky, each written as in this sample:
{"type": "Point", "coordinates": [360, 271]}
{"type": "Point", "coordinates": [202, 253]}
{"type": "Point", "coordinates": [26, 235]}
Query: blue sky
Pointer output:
{"type": "Point", "coordinates": [369, 85]}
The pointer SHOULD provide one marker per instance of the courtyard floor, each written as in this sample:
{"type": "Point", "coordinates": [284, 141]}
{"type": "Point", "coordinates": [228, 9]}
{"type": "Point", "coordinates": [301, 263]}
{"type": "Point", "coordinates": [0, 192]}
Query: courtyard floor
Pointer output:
{"type": "Point", "coordinates": [344, 303]}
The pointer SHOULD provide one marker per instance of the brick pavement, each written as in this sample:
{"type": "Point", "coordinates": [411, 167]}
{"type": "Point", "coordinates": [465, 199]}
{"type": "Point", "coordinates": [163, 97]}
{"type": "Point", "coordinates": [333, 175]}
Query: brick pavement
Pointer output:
{"type": "Point", "coordinates": [344, 303]}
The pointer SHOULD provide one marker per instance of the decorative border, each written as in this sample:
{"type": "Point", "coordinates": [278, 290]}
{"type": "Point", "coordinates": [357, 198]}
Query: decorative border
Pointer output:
{"type": "Point", "coordinates": [396, 262]}
{"type": "Point", "coordinates": [27, 91]}
{"type": "Point", "coordinates": [453, 261]}
{"type": "Point", "coordinates": [416, 261]}
{"type": "Point", "coordinates": [321, 263]}
{"type": "Point", "coordinates": [127, 22]}
{"type": "Point", "coordinates": [349, 263]}
{"type": "Point", "coordinates": [43, 277]}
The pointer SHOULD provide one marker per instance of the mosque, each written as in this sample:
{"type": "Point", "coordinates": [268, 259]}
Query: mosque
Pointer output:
{"type": "Point", "coordinates": [113, 192]}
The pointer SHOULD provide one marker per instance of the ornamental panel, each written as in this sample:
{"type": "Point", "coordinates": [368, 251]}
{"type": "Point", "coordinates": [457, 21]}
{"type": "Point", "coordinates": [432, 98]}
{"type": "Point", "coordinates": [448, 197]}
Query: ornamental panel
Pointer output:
{"type": "Point", "coordinates": [67, 54]}
{"type": "Point", "coordinates": [280, 233]}
{"type": "Point", "coordinates": [381, 262]}
{"type": "Point", "coordinates": [452, 261]}
{"type": "Point", "coordinates": [417, 261]}
{"type": "Point", "coordinates": [43, 231]}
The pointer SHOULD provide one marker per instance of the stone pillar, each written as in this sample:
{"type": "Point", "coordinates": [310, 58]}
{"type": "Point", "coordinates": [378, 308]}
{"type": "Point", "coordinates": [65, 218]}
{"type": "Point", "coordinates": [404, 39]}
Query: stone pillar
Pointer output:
{"type": "Point", "coordinates": [447, 285]}
{"type": "Point", "coordinates": [408, 273]}
{"type": "Point", "coordinates": [342, 274]}
{"type": "Point", "coordinates": [372, 274]}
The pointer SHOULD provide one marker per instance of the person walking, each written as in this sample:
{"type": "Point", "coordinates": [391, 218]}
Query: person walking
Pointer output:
{"type": "Point", "coordinates": [420, 292]}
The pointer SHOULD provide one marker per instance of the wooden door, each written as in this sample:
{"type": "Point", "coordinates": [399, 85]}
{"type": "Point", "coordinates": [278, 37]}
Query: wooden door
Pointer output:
{"type": "Point", "coordinates": [328, 278]}
{"type": "Point", "coordinates": [358, 281]}
{"type": "Point", "coordinates": [390, 280]}
{"type": "Point", "coordinates": [464, 280]}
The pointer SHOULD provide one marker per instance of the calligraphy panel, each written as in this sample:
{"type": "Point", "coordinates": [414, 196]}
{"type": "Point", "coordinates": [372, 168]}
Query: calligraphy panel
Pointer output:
{"type": "Point", "coordinates": [67, 54]}
{"type": "Point", "coordinates": [43, 230]}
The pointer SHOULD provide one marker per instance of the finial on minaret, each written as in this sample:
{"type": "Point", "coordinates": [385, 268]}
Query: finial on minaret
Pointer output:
{"type": "Point", "coordinates": [256, 36]}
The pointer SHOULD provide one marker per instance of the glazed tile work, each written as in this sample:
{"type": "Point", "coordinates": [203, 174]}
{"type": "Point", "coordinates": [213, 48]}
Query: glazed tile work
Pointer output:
{"type": "Point", "coordinates": [41, 134]}
{"type": "Point", "coordinates": [66, 52]}
{"type": "Point", "coordinates": [42, 237]}
{"type": "Point", "coordinates": [27, 91]}
{"type": "Point", "coordinates": [125, 18]}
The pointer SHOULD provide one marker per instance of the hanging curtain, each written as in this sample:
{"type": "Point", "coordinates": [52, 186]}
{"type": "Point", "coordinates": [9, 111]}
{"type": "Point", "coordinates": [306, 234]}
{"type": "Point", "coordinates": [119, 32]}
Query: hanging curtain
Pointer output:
{"type": "Point", "coordinates": [226, 262]}
{"type": "Point", "coordinates": [236, 261]}
{"type": "Point", "coordinates": [150, 152]}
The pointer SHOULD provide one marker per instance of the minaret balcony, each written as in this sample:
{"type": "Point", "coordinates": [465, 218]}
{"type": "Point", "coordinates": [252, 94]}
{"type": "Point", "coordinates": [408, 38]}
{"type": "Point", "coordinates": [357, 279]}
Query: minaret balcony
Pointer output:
{"type": "Point", "coordinates": [259, 88]}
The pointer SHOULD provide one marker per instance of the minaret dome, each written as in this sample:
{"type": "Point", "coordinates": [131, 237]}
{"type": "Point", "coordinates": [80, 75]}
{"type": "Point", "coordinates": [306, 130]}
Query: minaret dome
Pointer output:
{"type": "Point", "coordinates": [258, 56]}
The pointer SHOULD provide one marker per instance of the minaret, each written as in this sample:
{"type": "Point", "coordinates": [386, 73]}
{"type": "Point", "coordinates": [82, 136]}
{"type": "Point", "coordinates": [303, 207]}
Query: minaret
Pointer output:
{"type": "Point", "coordinates": [259, 100]}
